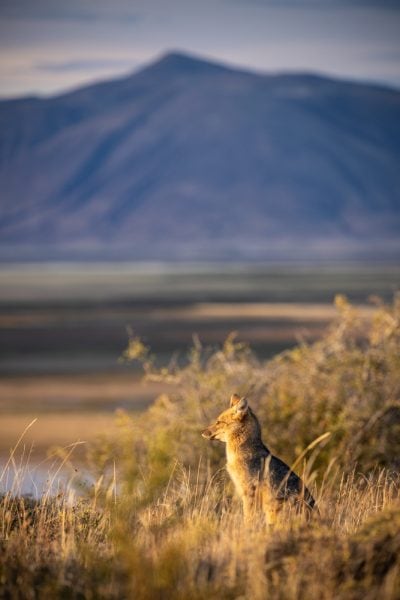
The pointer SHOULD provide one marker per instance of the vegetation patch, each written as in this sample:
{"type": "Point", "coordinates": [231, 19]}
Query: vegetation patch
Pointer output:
{"type": "Point", "coordinates": [161, 520]}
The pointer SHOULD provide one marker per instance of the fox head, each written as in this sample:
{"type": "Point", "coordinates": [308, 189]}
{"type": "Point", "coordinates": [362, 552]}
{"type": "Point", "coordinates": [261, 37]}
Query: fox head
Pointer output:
{"type": "Point", "coordinates": [233, 422]}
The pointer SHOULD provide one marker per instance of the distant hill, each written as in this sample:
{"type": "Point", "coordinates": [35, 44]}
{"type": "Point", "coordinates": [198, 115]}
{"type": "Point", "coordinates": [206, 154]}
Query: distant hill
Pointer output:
{"type": "Point", "coordinates": [187, 159]}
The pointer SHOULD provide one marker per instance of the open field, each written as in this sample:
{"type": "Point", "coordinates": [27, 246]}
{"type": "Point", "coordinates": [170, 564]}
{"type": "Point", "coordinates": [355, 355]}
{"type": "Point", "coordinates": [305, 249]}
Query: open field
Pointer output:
{"type": "Point", "coordinates": [21, 284]}
{"type": "Point", "coordinates": [52, 430]}
{"type": "Point", "coordinates": [74, 318]}
{"type": "Point", "coordinates": [63, 393]}
{"type": "Point", "coordinates": [63, 329]}
{"type": "Point", "coordinates": [67, 409]}
{"type": "Point", "coordinates": [60, 341]}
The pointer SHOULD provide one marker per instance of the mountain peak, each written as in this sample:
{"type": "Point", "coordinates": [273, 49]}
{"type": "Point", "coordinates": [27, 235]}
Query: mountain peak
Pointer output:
{"type": "Point", "coordinates": [186, 63]}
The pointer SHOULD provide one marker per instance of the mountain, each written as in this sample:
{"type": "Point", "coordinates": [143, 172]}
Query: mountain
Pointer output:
{"type": "Point", "coordinates": [188, 159]}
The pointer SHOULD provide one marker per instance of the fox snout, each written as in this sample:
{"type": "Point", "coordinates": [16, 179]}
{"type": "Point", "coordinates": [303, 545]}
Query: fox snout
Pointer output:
{"type": "Point", "coordinates": [208, 434]}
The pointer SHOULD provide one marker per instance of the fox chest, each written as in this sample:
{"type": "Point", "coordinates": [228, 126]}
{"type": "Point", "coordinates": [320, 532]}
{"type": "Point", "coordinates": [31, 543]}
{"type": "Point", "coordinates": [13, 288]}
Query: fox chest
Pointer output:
{"type": "Point", "coordinates": [242, 476]}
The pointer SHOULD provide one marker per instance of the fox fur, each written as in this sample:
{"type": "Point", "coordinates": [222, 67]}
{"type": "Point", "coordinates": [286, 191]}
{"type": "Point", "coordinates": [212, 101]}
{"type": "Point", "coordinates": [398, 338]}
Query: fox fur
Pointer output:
{"type": "Point", "coordinates": [262, 481]}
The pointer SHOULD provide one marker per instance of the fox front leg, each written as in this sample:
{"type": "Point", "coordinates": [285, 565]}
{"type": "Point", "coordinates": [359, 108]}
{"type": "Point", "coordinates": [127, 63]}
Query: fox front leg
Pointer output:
{"type": "Point", "coordinates": [252, 500]}
{"type": "Point", "coordinates": [248, 508]}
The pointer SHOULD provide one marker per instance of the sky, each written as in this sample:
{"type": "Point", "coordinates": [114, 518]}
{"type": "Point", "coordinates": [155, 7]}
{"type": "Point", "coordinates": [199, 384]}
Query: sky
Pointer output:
{"type": "Point", "coordinates": [48, 46]}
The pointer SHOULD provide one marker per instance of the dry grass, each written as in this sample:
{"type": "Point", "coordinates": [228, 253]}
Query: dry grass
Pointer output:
{"type": "Point", "coordinates": [191, 542]}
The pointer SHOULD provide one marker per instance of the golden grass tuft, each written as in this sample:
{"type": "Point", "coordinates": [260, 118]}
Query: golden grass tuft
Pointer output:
{"type": "Point", "coordinates": [191, 542]}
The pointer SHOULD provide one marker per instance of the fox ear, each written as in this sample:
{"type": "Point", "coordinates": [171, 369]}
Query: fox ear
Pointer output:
{"type": "Point", "coordinates": [242, 407]}
{"type": "Point", "coordinates": [235, 399]}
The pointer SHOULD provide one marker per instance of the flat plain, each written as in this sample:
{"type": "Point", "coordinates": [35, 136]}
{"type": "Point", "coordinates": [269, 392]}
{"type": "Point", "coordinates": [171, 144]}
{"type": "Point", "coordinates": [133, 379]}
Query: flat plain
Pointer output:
{"type": "Point", "coordinates": [63, 330]}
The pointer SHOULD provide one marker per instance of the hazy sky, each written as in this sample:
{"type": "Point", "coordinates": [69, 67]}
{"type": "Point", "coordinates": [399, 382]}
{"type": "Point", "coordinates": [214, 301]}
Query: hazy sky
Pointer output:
{"type": "Point", "coordinates": [48, 45]}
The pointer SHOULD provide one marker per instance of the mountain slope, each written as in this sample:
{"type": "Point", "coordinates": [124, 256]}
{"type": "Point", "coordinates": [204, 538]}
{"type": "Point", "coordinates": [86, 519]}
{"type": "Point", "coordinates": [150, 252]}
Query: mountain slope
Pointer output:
{"type": "Point", "coordinates": [189, 159]}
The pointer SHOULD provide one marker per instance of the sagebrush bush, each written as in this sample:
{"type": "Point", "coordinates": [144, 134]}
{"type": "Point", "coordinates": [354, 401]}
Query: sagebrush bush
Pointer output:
{"type": "Point", "coordinates": [347, 383]}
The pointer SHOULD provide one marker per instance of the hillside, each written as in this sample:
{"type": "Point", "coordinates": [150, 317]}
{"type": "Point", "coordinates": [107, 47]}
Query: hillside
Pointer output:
{"type": "Point", "coordinates": [187, 159]}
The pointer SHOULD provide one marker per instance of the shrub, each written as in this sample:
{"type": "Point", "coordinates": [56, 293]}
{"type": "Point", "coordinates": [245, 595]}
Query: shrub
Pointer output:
{"type": "Point", "coordinates": [347, 383]}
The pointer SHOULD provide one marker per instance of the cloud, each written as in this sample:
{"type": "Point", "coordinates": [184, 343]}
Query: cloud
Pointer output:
{"type": "Point", "coordinates": [83, 65]}
{"type": "Point", "coordinates": [83, 11]}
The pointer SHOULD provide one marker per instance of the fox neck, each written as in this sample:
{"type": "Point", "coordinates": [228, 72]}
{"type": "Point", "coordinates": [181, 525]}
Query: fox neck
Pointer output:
{"type": "Point", "coordinates": [249, 445]}
{"type": "Point", "coordinates": [245, 446]}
